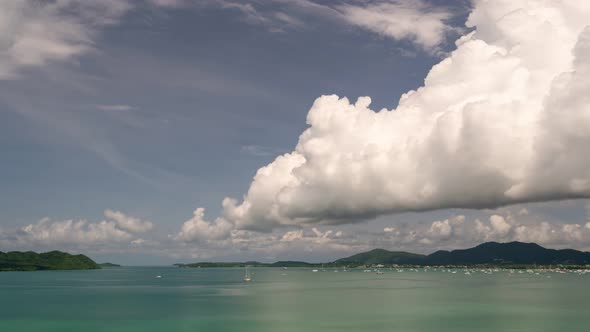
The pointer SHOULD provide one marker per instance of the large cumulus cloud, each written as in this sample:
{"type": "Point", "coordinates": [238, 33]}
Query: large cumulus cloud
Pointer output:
{"type": "Point", "coordinates": [505, 118]}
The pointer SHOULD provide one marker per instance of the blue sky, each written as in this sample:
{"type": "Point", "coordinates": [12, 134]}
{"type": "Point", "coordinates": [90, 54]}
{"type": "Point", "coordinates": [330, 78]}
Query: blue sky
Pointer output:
{"type": "Point", "coordinates": [211, 98]}
{"type": "Point", "coordinates": [156, 108]}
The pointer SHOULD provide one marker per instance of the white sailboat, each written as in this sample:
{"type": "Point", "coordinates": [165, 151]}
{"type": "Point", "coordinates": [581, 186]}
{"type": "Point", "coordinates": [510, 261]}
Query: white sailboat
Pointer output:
{"type": "Point", "coordinates": [247, 277]}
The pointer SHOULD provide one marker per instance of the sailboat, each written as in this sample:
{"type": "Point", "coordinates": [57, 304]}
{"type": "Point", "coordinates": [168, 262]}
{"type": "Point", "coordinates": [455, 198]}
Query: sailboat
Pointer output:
{"type": "Point", "coordinates": [247, 277]}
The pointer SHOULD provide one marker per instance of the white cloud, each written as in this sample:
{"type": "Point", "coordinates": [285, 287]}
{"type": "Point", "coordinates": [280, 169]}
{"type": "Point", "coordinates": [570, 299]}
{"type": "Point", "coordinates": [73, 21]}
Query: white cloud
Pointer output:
{"type": "Point", "coordinates": [273, 19]}
{"type": "Point", "coordinates": [169, 3]}
{"type": "Point", "coordinates": [73, 232]}
{"type": "Point", "coordinates": [288, 20]}
{"type": "Point", "coordinates": [117, 229]}
{"type": "Point", "coordinates": [444, 230]}
{"type": "Point", "coordinates": [247, 9]}
{"type": "Point", "coordinates": [128, 223]}
{"type": "Point", "coordinates": [523, 212]}
{"type": "Point", "coordinates": [197, 229]}
{"type": "Point", "coordinates": [34, 33]}
{"type": "Point", "coordinates": [389, 229]}
{"type": "Point", "coordinates": [259, 151]}
{"type": "Point", "coordinates": [202, 239]}
{"type": "Point", "coordinates": [454, 234]}
{"type": "Point", "coordinates": [504, 119]}
{"type": "Point", "coordinates": [441, 229]}
{"type": "Point", "coordinates": [292, 236]}
{"type": "Point", "coordinates": [500, 226]}
{"type": "Point", "coordinates": [413, 20]}
{"type": "Point", "coordinates": [138, 242]}
{"type": "Point", "coordinates": [297, 242]}
{"type": "Point", "coordinates": [115, 107]}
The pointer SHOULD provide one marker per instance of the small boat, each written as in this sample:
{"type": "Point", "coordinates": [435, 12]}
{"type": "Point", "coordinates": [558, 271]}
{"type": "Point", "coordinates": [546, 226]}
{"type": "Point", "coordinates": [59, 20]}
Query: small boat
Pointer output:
{"type": "Point", "coordinates": [379, 272]}
{"type": "Point", "coordinates": [247, 277]}
{"type": "Point", "coordinates": [314, 270]}
{"type": "Point", "coordinates": [158, 277]}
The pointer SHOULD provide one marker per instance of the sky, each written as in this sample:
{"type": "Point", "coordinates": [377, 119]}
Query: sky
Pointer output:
{"type": "Point", "coordinates": [163, 131]}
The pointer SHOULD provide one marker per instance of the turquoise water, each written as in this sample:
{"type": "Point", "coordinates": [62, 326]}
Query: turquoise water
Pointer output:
{"type": "Point", "coordinates": [133, 299]}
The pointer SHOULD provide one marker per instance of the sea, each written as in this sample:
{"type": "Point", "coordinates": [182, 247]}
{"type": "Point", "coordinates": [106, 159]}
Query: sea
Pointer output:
{"type": "Point", "coordinates": [171, 299]}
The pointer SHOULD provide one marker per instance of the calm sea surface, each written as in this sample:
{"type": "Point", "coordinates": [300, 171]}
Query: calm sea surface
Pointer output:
{"type": "Point", "coordinates": [133, 299]}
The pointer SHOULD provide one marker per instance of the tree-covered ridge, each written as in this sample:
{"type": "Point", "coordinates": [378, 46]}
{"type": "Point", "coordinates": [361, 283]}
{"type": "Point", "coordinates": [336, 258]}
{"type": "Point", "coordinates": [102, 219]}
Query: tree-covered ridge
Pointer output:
{"type": "Point", "coordinates": [53, 260]}
{"type": "Point", "coordinates": [382, 256]}
{"type": "Point", "coordinates": [251, 264]}
{"type": "Point", "coordinates": [509, 253]}
{"type": "Point", "coordinates": [107, 264]}
{"type": "Point", "coordinates": [490, 253]}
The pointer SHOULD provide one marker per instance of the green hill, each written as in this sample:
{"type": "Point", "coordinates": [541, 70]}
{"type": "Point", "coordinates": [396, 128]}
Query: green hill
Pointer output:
{"type": "Point", "coordinates": [109, 265]}
{"type": "Point", "coordinates": [222, 264]}
{"type": "Point", "coordinates": [509, 253]}
{"type": "Point", "coordinates": [489, 253]}
{"type": "Point", "coordinates": [291, 264]}
{"type": "Point", "coordinates": [381, 256]}
{"type": "Point", "coordinates": [53, 260]}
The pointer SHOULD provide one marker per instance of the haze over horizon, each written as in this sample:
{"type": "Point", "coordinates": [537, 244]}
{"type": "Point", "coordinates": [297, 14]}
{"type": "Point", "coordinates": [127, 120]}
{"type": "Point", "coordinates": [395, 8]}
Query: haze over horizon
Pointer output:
{"type": "Point", "coordinates": [163, 131]}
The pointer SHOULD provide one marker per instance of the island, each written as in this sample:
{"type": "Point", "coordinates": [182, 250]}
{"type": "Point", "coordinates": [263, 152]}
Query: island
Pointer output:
{"type": "Point", "coordinates": [53, 260]}
{"type": "Point", "coordinates": [512, 255]}
{"type": "Point", "coordinates": [249, 263]}
{"type": "Point", "coordinates": [109, 265]}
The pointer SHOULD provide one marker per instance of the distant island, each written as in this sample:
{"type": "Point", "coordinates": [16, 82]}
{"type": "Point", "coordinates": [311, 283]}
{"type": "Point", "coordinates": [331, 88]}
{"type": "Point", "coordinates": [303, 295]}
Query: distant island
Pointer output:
{"type": "Point", "coordinates": [109, 265]}
{"type": "Point", "coordinates": [511, 255]}
{"type": "Point", "coordinates": [53, 260]}
{"type": "Point", "coordinates": [250, 263]}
